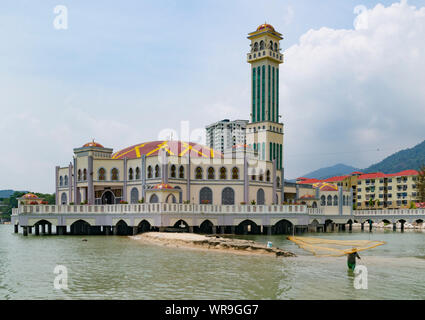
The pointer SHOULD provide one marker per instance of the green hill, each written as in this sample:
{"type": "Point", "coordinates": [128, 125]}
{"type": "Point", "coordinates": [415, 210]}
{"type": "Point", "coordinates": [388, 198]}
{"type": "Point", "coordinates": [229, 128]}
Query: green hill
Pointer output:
{"type": "Point", "coordinates": [412, 158]}
{"type": "Point", "coordinates": [336, 170]}
{"type": "Point", "coordinates": [4, 194]}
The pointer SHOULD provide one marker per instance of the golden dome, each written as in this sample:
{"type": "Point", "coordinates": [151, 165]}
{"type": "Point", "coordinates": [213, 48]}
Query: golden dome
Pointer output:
{"type": "Point", "coordinates": [29, 196]}
{"type": "Point", "coordinates": [162, 186]}
{"type": "Point", "coordinates": [265, 26]}
{"type": "Point", "coordinates": [93, 144]}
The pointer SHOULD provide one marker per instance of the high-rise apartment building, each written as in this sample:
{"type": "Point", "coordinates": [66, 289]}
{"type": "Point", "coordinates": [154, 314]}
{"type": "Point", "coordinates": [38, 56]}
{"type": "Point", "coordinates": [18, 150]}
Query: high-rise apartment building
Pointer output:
{"type": "Point", "coordinates": [225, 134]}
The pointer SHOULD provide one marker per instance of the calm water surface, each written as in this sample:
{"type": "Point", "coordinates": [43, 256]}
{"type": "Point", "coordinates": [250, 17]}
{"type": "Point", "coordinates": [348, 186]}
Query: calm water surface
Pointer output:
{"type": "Point", "coordinates": [121, 268]}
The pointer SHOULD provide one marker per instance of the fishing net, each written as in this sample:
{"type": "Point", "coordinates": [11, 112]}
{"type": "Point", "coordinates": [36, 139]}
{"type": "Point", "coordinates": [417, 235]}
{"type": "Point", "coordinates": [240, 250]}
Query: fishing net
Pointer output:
{"type": "Point", "coordinates": [333, 248]}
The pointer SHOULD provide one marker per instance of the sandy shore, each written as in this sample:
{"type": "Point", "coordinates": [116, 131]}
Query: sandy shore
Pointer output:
{"type": "Point", "coordinates": [215, 243]}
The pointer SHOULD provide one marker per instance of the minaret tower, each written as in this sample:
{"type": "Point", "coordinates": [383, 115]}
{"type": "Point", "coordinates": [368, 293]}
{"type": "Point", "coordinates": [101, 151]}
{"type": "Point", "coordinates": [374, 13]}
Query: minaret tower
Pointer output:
{"type": "Point", "coordinates": [265, 131]}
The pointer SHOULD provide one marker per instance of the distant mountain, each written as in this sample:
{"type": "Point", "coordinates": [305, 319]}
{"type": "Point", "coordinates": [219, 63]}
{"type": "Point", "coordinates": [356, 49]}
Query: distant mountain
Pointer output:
{"type": "Point", "coordinates": [336, 170]}
{"type": "Point", "coordinates": [6, 193]}
{"type": "Point", "coordinates": [406, 159]}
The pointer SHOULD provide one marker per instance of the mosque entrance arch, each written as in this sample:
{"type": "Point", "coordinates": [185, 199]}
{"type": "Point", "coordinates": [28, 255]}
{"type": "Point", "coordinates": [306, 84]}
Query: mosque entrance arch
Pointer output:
{"type": "Point", "coordinates": [108, 197]}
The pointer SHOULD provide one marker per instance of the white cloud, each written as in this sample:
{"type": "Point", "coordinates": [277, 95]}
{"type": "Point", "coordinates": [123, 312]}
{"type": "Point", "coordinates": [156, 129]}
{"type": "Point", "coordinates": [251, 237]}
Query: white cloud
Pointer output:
{"type": "Point", "coordinates": [355, 89]}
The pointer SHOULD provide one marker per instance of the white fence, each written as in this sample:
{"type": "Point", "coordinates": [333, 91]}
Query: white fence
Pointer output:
{"type": "Point", "coordinates": [395, 212]}
{"type": "Point", "coordinates": [149, 208]}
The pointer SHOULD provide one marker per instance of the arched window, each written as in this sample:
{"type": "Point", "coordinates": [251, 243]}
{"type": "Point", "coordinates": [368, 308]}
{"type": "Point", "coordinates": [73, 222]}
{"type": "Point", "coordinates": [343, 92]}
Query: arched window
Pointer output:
{"type": "Point", "coordinates": [268, 175]}
{"type": "Point", "coordinates": [205, 196]}
{"type": "Point", "coordinates": [79, 175]}
{"type": "Point", "coordinates": [322, 200]}
{"type": "Point", "coordinates": [211, 173]}
{"type": "Point", "coordinates": [223, 173]}
{"type": "Point", "coordinates": [314, 205]}
{"type": "Point", "coordinates": [228, 196]}
{"type": "Point", "coordinates": [343, 200]}
{"type": "Point", "coordinates": [180, 194]}
{"type": "Point", "coordinates": [261, 45]}
{"type": "Point", "coordinates": [260, 197]}
{"type": "Point", "coordinates": [130, 174]}
{"type": "Point", "coordinates": [260, 176]}
{"type": "Point", "coordinates": [61, 181]}
{"type": "Point", "coordinates": [329, 202]}
{"type": "Point", "coordinates": [149, 172]}
{"type": "Point", "coordinates": [198, 173]}
{"type": "Point", "coordinates": [157, 171]}
{"type": "Point", "coordinates": [85, 175]}
{"type": "Point", "coordinates": [134, 195]}
{"type": "Point", "coordinates": [65, 181]}
{"type": "Point", "coordinates": [271, 45]}
{"type": "Point", "coordinates": [114, 174]}
{"type": "Point", "coordinates": [173, 171]}
{"type": "Point", "coordinates": [235, 173]}
{"type": "Point", "coordinates": [181, 172]}
{"type": "Point", "coordinates": [278, 182]}
{"type": "Point", "coordinates": [137, 173]}
{"type": "Point", "coordinates": [101, 174]}
{"type": "Point", "coordinates": [253, 176]}
{"type": "Point", "coordinates": [63, 198]}
{"type": "Point", "coordinates": [171, 199]}
{"type": "Point", "coordinates": [154, 199]}
{"type": "Point", "coordinates": [256, 46]}
{"type": "Point", "coordinates": [335, 200]}
{"type": "Point", "coordinates": [276, 47]}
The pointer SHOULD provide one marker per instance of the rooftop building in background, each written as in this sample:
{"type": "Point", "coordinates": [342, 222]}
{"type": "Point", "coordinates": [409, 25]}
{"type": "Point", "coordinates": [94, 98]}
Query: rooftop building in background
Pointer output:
{"type": "Point", "coordinates": [225, 134]}
{"type": "Point", "coordinates": [376, 190]}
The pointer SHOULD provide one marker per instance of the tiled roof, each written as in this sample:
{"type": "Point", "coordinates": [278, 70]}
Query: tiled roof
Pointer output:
{"type": "Point", "coordinates": [308, 181]}
{"type": "Point", "coordinates": [173, 148]}
{"type": "Point", "coordinates": [335, 179]}
{"type": "Point", "coordinates": [377, 175]}
{"type": "Point", "coordinates": [325, 186]}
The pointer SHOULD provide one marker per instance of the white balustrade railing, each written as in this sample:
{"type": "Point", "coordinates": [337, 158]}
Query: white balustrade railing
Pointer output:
{"type": "Point", "coordinates": [389, 212]}
{"type": "Point", "coordinates": [148, 208]}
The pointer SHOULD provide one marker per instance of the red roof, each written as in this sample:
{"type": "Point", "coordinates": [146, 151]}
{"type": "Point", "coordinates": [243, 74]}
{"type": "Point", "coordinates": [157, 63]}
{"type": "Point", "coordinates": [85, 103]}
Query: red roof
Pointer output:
{"type": "Point", "coordinates": [308, 181]}
{"type": "Point", "coordinates": [174, 148]}
{"type": "Point", "coordinates": [356, 172]}
{"type": "Point", "coordinates": [377, 175]}
{"type": "Point", "coordinates": [403, 173]}
{"type": "Point", "coordinates": [335, 179]}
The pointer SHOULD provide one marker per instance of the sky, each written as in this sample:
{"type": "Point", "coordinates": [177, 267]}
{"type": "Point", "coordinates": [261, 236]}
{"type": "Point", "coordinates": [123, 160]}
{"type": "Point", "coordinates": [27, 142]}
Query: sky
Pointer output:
{"type": "Point", "coordinates": [124, 72]}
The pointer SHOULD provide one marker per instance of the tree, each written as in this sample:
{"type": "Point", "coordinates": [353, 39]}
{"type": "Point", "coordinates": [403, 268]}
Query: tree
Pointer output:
{"type": "Point", "coordinates": [420, 184]}
{"type": "Point", "coordinates": [12, 201]}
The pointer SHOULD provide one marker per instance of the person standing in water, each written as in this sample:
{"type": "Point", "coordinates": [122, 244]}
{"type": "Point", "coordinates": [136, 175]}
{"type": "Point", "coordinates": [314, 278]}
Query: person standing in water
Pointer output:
{"type": "Point", "coordinates": [351, 259]}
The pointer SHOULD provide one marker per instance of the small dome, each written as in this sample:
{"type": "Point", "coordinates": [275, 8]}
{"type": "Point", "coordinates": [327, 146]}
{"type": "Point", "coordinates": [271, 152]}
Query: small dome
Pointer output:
{"type": "Point", "coordinates": [162, 186]}
{"type": "Point", "coordinates": [93, 144]}
{"type": "Point", "coordinates": [29, 196]}
{"type": "Point", "coordinates": [265, 26]}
